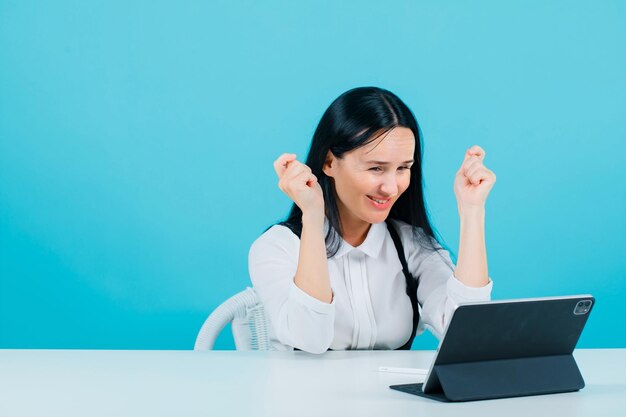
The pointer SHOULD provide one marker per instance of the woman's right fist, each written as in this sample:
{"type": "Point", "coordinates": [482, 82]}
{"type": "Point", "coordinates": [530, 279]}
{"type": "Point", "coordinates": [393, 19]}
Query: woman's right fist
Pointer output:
{"type": "Point", "coordinates": [297, 181]}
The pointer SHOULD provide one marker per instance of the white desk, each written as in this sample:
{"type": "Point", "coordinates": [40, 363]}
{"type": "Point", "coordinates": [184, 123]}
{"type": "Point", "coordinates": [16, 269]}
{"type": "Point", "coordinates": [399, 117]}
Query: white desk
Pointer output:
{"type": "Point", "coordinates": [84, 383]}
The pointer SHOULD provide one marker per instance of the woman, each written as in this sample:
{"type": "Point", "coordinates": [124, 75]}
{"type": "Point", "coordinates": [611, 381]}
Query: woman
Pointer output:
{"type": "Point", "coordinates": [336, 274]}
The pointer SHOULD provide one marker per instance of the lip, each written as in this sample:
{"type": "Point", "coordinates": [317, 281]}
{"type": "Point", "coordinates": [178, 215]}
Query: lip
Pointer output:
{"type": "Point", "coordinates": [379, 206]}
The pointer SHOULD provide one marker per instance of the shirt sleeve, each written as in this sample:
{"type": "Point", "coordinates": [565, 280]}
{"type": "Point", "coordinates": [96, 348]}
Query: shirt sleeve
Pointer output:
{"type": "Point", "coordinates": [298, 319]}
{"type": "Point", "coordinates": [439, 292]}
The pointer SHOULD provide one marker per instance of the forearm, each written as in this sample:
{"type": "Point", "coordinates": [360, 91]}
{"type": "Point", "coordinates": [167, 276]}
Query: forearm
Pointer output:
{"type": "Point", "coordinates": [312, 272]}
{"type": "Point", "coordinates": [471, 267]}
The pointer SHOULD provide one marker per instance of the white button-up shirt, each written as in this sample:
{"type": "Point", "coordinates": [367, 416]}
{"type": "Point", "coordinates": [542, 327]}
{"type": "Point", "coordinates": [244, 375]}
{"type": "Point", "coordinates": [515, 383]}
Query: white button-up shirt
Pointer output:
{"type": "Point", "coordinates": [370, 308]}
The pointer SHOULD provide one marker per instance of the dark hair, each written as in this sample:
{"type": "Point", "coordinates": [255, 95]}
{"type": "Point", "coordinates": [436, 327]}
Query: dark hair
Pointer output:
{"type": "Point", "coordinates": [354, 119]}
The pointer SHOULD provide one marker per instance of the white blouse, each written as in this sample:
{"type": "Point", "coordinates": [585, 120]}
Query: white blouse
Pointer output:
{"type": "Point", "coordinates": [370, 308]}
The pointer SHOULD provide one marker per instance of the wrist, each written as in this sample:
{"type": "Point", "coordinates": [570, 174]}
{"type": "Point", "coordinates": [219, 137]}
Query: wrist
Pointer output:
{"type": "Point", "coordinates": [472, 212]}
{"type": "Point", "coordinates": [313, 218]}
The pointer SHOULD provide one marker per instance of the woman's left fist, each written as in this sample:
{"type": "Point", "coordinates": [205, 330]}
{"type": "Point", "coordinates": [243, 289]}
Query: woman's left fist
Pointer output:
{"type": "Point", "coordinates": [473, 180]}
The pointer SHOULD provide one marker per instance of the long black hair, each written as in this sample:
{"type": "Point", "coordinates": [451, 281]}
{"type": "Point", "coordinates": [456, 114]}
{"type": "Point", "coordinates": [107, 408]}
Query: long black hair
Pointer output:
{"type": "Point", "coordinates": [354, 119]}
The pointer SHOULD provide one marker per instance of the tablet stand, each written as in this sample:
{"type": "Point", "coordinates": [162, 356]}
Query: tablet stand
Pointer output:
{"type": "Point", "coordinates": [471, 381]}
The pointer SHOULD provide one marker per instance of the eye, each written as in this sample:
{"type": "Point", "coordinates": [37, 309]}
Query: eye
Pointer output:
{"type": "Point", "coordinates": [404, 168]}
{"type": "Point", "coordinates": [376, 169]}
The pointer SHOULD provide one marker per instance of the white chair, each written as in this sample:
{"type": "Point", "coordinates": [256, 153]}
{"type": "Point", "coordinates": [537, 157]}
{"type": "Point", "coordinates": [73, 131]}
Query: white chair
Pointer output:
{"type": "Point", "coordinates": [250, 326]}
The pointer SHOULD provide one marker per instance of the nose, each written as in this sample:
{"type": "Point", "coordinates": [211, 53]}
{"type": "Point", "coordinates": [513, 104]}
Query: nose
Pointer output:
{"type": "Point", "coordinates": [389, 186]}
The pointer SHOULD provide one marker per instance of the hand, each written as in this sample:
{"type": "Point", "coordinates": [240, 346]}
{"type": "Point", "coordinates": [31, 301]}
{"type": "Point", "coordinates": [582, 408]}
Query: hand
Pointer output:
{"type": "Point", "coordinates": [297, 181]}
{"type": "Point", "coordinates": [473, 180]}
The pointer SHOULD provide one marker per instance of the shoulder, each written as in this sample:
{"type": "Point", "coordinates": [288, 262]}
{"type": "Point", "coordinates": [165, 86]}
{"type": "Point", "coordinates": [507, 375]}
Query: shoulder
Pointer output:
{"type": "Point", "coordinates": [408, 234]}
{"type": "Point", "coordinates": [275, 240]}
{"type": "Point", "coordinates": [415, 241]}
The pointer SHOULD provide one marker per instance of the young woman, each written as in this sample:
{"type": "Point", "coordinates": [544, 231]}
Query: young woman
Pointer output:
{"type": "Point", "coordinates": [357, 265]}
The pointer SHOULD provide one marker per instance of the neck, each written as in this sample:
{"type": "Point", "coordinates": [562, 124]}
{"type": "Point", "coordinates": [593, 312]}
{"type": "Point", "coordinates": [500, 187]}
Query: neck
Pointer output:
{"type": "Point", "coordinates": [354, 230]}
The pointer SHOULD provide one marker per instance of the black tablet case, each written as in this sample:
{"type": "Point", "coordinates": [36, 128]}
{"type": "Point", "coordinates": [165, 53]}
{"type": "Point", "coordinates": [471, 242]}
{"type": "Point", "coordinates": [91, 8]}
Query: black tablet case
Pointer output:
{"type": "Point", "coordinates": [507, 349]}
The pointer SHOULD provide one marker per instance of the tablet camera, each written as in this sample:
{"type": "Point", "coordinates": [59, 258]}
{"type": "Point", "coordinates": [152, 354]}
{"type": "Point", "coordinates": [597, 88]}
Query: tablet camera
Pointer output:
{"type": "Point", "coordinates": [582, 307]}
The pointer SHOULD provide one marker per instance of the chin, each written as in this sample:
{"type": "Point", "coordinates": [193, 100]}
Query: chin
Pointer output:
{"type": "Point", "coordinates": [376, 218]}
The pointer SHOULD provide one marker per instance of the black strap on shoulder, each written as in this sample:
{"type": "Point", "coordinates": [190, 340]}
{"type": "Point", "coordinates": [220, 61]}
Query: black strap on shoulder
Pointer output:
{"type": "Point", "coordinates": [411, 283]}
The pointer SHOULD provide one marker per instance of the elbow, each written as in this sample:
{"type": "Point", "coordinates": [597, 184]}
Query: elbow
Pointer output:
{"type": "Point", "coordinates": [315, 346]}
{"type": "Point", "coordinates": [316, 352]}
{"type": "Point", "coordinates": [310, 333]}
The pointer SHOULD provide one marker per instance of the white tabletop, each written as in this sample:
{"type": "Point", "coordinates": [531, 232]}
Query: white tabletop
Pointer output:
{"type": "Point", "coordinates": [296, 384]}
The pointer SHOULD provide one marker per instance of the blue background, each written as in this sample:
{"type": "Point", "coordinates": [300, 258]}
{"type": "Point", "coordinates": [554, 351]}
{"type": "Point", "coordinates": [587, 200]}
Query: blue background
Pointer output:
{"type": "Point", "coordinates": [137, 140]}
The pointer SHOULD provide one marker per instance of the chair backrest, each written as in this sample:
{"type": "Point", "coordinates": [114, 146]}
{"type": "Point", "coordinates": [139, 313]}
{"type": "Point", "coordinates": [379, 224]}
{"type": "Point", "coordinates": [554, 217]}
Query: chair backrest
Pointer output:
{"type": "Point", "coordinates": [250, 326]}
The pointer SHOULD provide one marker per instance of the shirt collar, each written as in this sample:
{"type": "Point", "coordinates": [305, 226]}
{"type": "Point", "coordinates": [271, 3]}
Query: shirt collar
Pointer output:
{"type": "Point", "coordinates": [372, 244]}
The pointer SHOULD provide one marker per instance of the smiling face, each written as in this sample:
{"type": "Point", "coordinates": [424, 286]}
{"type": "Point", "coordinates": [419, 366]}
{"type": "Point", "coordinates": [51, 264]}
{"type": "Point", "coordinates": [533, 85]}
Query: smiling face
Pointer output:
{"type": "Point", "coordinates": [370, 179]}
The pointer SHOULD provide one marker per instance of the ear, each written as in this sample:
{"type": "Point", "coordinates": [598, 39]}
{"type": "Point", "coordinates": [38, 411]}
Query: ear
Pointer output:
{"type": "Point", "coordinates": [329, 164]}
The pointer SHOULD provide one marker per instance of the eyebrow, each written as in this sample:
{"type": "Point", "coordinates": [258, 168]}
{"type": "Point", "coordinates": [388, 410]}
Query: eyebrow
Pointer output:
{"type": "Point", "coordinates": [387, 163]}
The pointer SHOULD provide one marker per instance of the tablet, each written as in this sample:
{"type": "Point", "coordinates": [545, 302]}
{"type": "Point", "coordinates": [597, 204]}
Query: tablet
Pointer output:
{"type": "Point", "coordinates": [508, 348]}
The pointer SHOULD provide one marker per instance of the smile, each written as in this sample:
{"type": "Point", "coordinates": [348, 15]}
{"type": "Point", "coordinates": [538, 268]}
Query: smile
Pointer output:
{"type": "Point", "coordinates": [377, 200]}
{"type": "Point", "coordinates": [379, 204]}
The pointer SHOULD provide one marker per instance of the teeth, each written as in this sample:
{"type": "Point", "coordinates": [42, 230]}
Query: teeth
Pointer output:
{"type": "Point", "coordinates": [378, 201]}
